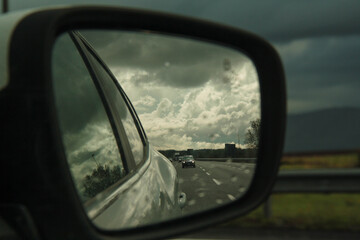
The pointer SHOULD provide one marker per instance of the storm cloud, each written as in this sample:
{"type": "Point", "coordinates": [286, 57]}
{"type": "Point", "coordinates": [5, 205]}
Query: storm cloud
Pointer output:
{"type": "Point", "coordinates": [179, 64]}
{"type": "Point", "coordinates": [322, 72]}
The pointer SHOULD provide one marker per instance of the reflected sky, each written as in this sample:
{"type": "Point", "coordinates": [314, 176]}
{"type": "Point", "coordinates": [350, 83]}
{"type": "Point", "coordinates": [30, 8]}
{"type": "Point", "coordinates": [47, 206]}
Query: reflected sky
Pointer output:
{"type": "Point", "coordinates": [188, 94]}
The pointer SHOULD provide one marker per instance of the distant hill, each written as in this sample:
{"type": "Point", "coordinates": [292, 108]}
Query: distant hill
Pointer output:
{"type": "Point", "coordinates": [323, 130]}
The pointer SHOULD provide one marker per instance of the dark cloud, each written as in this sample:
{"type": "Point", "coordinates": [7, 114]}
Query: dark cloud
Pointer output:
{"type": "Point", "coordinates": [77, 99]}
{"type": "Point", "coordinates": [276, 20]}
{"type": "Point", "coordinates": [148, 50]}
{"type": "Point", "coordinates": [323, 74]}
{"type": "Point", "coordinates": [328, 55]}
{"type": "Point", "coordinates": [167, 60]}
{"type": "Point", "coordinates": [287, 20]}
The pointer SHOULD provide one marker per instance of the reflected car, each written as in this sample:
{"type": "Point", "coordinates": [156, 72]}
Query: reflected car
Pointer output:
{"type": "Point", "coordinates": [188, 161]}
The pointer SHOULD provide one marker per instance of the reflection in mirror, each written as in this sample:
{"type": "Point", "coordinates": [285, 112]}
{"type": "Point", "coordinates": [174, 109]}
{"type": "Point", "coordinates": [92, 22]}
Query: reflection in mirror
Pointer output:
{"type": "Point", "coordinates": [197, 102]}
{"type": "Point", "coordinates": [90, 145]}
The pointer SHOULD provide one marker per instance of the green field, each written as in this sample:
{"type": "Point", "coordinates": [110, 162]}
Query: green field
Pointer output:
{"type": "Point", "coordinates": [309, 211]}
{"type": "Point", "coordinates": [349, 160]}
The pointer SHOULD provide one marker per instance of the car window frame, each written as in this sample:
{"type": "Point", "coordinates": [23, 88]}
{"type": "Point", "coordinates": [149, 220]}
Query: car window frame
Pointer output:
{"type": "Point", "coordinates": [128, 157]}
{"type": "Point", "coordinates": [95, 206]}
{"type": "Point", "coordinates": [109, 117]}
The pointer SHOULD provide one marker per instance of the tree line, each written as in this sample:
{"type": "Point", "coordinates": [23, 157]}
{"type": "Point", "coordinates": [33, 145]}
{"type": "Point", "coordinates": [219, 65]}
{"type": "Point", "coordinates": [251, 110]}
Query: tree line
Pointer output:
{"type": "Point", "coordinates": [251, 139]}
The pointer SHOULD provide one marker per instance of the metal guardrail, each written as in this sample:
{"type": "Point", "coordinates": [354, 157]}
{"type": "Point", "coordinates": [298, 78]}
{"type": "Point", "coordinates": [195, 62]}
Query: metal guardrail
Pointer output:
{"type": "Point", "coordinates": [318, 181]}
{"type": "Point", "coordinates": [238, 160]}
{"type": "Point", "coordinates": [315, 181]}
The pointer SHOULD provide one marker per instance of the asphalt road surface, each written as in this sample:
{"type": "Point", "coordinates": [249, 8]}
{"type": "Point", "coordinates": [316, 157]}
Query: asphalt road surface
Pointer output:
{"type": "Point", "coordinates": [213, 183]}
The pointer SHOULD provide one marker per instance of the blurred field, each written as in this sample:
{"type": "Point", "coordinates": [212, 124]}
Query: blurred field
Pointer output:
{"type": "Point", "coordinates": [309, 211]}
{"type": "Point", "coordinates": [349, 160]}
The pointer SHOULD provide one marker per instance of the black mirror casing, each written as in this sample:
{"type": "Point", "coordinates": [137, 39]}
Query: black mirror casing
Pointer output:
{"type": "Point", "coordinates": [35, 173]}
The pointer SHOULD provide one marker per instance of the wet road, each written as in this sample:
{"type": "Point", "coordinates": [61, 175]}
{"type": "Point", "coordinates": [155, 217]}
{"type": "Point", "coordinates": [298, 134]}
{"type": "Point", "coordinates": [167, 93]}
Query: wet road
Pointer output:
{"type": "Point", "coordinates": [212, 183]}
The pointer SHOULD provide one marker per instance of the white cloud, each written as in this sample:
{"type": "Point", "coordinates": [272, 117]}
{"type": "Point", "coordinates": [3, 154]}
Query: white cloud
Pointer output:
{"type": "Point", "coordinates": [188, 94]}
{"type": "Point", "coordinates": [144, 103]}
{"type": "Point", "coordinates": [205, 117]}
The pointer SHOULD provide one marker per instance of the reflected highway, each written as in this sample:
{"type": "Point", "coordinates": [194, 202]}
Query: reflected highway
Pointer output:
{"type": "Point", "coordinates": [213, 183]}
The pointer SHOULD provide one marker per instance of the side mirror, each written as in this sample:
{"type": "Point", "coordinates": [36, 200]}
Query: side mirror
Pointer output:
{"type": "Point", "coordinates": [80, 151]}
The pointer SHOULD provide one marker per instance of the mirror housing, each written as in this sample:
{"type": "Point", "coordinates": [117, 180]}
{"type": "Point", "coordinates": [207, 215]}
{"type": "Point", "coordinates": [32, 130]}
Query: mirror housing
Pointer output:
{"type": "Point", "coordinates": [35, 171]}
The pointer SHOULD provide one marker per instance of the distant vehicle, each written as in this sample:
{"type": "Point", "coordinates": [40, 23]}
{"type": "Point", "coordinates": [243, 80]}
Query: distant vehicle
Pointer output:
{"type": "Point", "coordinates": [176, 156]}
{"type": "Point", "coordinates": [180, 158]}
{"type": "Point", "coordinates": [188, 160]}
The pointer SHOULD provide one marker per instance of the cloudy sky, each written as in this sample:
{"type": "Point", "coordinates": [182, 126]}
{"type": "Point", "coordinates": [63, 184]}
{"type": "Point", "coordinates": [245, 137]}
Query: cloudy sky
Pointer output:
{"type": "Point", "coordinates": [318, 41]}
{"type": "Point", "coordinates": [188, 94]}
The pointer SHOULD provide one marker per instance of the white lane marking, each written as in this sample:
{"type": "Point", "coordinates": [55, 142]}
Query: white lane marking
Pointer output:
{"type": "Point", "coordinates": [217, 182]}
{"type": "Point", "coordinates": [231, 197]}
{"type": "Point", "coordinates": [207, 173]}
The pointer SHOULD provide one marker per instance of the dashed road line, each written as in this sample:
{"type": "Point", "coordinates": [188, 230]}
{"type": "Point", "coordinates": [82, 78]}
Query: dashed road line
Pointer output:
{"type": "Point", "coordinates": [231, 197]}
{"type": "Point", "coordinates": [207, 173]}
{"type": "Point", "coordinates": [216, 181]}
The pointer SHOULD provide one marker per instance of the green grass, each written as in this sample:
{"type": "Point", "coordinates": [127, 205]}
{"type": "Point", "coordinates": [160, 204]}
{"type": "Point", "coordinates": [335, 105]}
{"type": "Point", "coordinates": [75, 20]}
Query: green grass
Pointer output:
{"type": "Point", "coordinates": [307, 211]}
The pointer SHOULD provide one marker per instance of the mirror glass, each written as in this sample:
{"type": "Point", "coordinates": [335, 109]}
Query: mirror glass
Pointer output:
{"type": "Point", "coordinates": [154, 127]}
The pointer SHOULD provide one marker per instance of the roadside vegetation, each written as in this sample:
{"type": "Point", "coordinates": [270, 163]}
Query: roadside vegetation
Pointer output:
{"type": "Point", "coordinates": [309, 211]}
{"type": "Point", "coordinates": [346, 160]}
{"type": "Point", "coordinates": [306, 211]}
{"type": "Point", "coordinates": [101, 178]}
